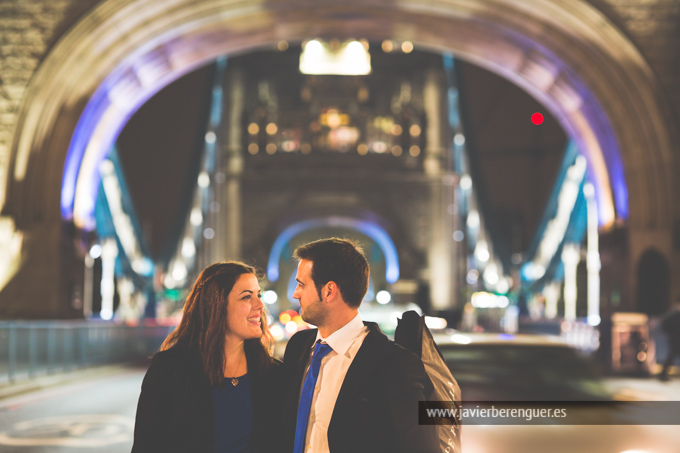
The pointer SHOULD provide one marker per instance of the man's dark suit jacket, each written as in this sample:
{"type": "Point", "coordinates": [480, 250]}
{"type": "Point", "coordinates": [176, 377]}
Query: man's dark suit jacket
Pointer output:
{"type": "Point", "coordinates": [377, 407]}
{"type": "Point", "coordinates": [175, 412]}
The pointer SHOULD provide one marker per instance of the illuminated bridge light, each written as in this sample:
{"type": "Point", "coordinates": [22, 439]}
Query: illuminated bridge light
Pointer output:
{"type": "Point", "coordinates": [351, 58]}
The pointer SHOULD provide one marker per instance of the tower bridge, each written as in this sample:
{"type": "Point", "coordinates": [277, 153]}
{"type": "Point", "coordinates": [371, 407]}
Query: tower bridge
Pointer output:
{"type": "Point", "coordinates": [404, 151]}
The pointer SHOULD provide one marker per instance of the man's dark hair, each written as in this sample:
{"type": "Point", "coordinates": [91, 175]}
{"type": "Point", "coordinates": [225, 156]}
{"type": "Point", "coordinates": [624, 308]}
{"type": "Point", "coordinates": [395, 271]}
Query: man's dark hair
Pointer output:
{"type": "Point", "coordinates": [341, 261]}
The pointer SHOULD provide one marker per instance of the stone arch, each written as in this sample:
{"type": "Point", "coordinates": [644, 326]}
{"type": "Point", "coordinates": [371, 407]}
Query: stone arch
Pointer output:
{"type": "Point", "coordinates": [568, 55]}
{"type": "Point", "coordinates": [653, 277]}
{"type": "Point", "coordinates": [572, 59]}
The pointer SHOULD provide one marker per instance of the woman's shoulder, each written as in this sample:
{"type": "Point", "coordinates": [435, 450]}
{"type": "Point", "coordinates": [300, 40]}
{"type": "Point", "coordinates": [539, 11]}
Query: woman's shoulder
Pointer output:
{"type": "Point", "coordinates": [174, 366]}
{"type": "Point", "coordinates": [172, 354]}
{"type": "Point", "coordinates": [174, 358]}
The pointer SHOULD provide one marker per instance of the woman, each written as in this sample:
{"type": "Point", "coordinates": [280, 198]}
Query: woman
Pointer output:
{"type": "Point", "coordinates": [213, 387]}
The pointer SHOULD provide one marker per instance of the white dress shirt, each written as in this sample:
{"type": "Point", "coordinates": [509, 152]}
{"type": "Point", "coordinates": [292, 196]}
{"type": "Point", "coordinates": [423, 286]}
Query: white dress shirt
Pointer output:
{"type": "Point", "coordinates": [345, 343]}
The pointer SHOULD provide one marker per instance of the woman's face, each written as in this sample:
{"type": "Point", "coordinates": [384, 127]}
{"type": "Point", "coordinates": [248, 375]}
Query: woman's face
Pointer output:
{"type": "Point", "coordinates": [244, 309]}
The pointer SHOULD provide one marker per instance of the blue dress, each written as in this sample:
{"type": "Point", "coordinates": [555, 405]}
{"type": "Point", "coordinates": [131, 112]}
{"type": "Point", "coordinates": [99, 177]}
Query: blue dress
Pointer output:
{"type": "Point", "coordinates": [233, 417]}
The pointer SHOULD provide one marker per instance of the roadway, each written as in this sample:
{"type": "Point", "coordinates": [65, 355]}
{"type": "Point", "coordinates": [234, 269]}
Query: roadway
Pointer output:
{"type": "Point", "coordinates": [94, 415]}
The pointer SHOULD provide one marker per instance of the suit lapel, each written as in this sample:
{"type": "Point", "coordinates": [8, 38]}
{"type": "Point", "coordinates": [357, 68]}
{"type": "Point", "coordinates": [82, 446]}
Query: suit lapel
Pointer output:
{"type": "Point", "coordinates": [300, 366]}
{"type": "Point", "coordinates": [363, 368]}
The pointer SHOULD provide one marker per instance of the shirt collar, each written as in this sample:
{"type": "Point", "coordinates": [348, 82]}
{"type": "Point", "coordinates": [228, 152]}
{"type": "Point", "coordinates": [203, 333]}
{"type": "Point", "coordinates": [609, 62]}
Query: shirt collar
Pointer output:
{"type": "Point", "coordinates": [341, 340]}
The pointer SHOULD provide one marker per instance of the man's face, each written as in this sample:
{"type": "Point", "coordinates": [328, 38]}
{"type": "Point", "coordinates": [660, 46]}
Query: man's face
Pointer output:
{"type": "Point", "coordinates": [312, 309]}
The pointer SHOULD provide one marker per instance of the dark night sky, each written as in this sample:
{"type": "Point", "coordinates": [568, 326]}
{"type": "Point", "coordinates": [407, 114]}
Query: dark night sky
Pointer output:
{"type": "Point", "coordinates": [516, 160]}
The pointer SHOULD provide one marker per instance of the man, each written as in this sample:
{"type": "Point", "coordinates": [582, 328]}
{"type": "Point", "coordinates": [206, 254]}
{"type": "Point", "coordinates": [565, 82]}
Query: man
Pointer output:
{"type": "Point", "coordinates": [362, 396]}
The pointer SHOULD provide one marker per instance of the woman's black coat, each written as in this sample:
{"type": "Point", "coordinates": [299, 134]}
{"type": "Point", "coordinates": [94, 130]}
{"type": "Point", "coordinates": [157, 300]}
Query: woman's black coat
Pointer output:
{"type": "Point", "coordinates": [175, 412]}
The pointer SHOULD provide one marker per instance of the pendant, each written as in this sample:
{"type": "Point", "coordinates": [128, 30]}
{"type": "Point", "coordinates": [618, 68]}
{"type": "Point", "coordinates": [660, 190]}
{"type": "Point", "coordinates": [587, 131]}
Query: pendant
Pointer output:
{"type": "Point", "coordinates": [234, 382]}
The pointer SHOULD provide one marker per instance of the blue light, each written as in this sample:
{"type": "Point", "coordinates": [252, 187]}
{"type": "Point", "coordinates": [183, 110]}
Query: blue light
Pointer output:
{"type": "Point", "coordinates": [74, 157]}
{"type": "Point", "coordinates": [114, 102]}
{"type": "Point", "coordinates": [93, 114]}
{"type": "Point", "coordinates": [619, 188]}
{"type": "Point", "coordinates": [370, 229]}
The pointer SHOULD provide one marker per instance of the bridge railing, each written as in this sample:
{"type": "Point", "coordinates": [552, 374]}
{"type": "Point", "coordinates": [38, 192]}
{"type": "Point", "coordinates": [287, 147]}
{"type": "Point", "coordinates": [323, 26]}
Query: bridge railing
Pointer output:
{"type": "Point", "coordinates": [30, 349]}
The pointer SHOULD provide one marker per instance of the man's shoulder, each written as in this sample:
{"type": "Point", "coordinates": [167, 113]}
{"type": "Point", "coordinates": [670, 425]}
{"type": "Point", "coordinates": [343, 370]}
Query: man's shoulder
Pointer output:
{"type": "Point", "coordinates": [383, 342]}
{"type": "Point", "coordinates": [302, 337]}
{"type": "Point", "coordinates": [388, 349]}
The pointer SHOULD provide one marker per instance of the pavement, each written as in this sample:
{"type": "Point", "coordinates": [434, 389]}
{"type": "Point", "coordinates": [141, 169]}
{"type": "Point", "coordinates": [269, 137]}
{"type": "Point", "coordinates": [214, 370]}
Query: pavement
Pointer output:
{"type": "Point", "coordinates": [90, 411]}
{"type": "Point", "coordinates": [645, 388]}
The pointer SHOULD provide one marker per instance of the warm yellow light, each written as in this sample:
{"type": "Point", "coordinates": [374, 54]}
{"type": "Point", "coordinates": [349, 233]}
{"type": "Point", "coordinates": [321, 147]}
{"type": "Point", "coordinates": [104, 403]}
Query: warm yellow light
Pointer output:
{"type": "Point", "coordinates": [387, 46]}
{"type": "Point", "coordinates": [253, 148]}
{"type": "Point", "coordinates": [415, 130]}
{"type": "Point", "coordinates": [253, 128]}
{"type": "Point", "coordinates": [435, 323]}
{"type": "Point", "coordinates": [282, 45]}
{"type": "Point", "coordinates": [348, 58]}
{"type": "Point", "coordinates": [271, 148]}
{"type": "Point", "coordinates": [396, 130]}
{"type": "Point", "coordinates": [362, 94]}
{"type": "Point", "coordinates": [414, 151]}
{"type": "Point", "coordinates": [362, 149]}
{"type": "Point", "coordinates": [291, 327]}
{"type": "Point", "coordinates": [333, 120]}
{"type": "Point", "coordinates": [407, 47]}
{"type": "Point", "coordinates": [379, 147]}
{"type": "Point", "coordinates": [289, 145]}
{"type": "Point", "coordinates": [396, 150]}
{"type": "Point", "coordinates": [277, 332]}
{"type": "Point", "coordinates": [460, 339]}
{"type": "Point", "coordinates": [271, 129]}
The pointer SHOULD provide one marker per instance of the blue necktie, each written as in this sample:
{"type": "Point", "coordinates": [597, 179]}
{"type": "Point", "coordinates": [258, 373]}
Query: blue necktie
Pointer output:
{"type": "Point", "coordinates": [320, 351]}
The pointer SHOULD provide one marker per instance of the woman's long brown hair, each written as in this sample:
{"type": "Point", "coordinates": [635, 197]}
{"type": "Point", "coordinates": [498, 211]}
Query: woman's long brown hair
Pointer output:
{"type": "Point", "coordinates": [204, 321]}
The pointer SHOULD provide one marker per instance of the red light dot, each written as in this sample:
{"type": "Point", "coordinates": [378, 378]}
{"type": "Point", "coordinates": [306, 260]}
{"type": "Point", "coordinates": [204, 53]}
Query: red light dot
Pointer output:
{"type": "Point", "coordinates": [537, 118]}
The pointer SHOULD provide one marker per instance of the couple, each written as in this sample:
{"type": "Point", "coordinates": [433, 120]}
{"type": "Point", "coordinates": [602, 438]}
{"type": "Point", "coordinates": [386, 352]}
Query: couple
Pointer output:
{"type": "Point", "coordinates": [343, 387]}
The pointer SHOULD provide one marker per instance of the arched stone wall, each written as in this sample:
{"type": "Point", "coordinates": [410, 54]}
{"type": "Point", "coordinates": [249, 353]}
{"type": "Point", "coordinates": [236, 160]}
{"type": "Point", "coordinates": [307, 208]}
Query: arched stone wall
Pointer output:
{"type": "Point", "coordinates": [653, 275]}
{"type": "Point", "coordinates": [566, 54]}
